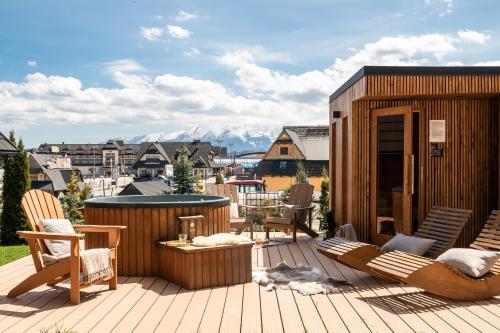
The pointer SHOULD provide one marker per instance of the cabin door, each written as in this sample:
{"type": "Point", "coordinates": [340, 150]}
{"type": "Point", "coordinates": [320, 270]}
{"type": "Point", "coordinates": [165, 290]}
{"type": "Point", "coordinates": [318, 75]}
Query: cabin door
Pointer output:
{"type": "Point", "coordinates": [391, 173]}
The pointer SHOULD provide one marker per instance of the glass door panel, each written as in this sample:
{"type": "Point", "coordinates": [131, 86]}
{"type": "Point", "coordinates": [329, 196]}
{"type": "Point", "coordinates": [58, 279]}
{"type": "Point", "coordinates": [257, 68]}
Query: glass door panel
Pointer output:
{"type": "Point", "coordinates": [390, 173]}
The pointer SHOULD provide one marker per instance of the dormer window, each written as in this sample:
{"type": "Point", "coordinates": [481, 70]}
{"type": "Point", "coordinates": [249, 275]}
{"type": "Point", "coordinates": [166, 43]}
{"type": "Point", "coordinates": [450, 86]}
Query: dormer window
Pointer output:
{"type": "Point", "coordinates": [283, 150]}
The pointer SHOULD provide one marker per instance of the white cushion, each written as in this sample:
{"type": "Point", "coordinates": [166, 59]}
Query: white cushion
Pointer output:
{"type": "Point", "coordinates": [408, 244]}
{"type": "Point", "coordinates": [220, 239]}
{"type": "Point", "coordinates": [233, 210]}
{"type": "Point", "coordinates": [60, 226]}
{"type": "Point", "coordinates": [471, 262]}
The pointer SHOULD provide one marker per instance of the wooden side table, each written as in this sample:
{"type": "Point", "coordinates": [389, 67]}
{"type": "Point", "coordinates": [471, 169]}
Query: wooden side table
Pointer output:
{"type": "Point", "coordinates": [204, 267]}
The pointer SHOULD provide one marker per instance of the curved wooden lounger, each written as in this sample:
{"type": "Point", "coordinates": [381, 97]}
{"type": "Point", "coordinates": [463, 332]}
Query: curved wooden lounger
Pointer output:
{"type": "Point", "coordinates": [440, 278]}
{"type": "Point", "coordinates": [442, 224]}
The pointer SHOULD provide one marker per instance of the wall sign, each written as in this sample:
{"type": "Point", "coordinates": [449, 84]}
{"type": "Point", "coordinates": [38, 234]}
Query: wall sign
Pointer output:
{"type": "Point", "coordinates": [437, 130]}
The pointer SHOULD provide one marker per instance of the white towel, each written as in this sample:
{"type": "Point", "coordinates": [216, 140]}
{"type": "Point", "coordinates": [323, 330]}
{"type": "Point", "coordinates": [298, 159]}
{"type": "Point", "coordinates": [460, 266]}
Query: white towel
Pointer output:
{"type": "Point", "coordinates": [347, 232]}
{"type": "Point", "coordinates": [96, 264]}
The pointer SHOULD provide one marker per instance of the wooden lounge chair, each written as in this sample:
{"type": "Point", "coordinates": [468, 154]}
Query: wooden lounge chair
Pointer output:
{"type": "Point", "coordinates": [300, 199]}
{"type": "Point", "coordinates": [442, 279]}
{"type": "Point", "coordinates": [231, 192]}
{"type": "Point", "coordinates": [441, 224]}
{"type": "Point", "coordinates": [39, 205]}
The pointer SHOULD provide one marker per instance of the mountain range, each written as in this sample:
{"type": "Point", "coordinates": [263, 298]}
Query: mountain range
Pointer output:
{"type": "Point", "coordinates": [237, 139]}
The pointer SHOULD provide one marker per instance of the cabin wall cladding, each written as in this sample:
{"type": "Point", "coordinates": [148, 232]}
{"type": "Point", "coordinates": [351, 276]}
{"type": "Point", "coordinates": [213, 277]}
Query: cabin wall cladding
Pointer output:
{"type": "Point", "coordinates": [462, 178]}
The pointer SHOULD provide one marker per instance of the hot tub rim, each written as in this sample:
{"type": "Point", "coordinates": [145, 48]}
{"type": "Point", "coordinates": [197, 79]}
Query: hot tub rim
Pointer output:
{"type": "Point", "coordinates": [100, 202]}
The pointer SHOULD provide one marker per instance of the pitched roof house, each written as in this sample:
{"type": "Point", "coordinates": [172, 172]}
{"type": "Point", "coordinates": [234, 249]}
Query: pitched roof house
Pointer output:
{"type": "Point", "coordinates": [156, 158]}
{"type": "Point", "coordinates": [307, 144]}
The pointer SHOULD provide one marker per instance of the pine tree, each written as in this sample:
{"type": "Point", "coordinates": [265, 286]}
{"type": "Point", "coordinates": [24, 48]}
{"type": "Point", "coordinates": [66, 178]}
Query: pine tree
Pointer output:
{"type": "Point", "coordinates": [183, 180]}
{"type": "Point", "coordinates": [219, 179]}
{"type": "Point", "coordinates": [16, 183]}
{"type": "Point", "coordinates": [323, 201]}
{"type": "Point", "coordinates": [73, 203]}
{"type": "Point", "coordinates": [301, 175]}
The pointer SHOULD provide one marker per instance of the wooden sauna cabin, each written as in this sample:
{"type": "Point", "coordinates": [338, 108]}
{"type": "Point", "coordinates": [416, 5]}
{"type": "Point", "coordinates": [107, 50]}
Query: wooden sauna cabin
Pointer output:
{"type": "Point", "coordinates": [404, 139]}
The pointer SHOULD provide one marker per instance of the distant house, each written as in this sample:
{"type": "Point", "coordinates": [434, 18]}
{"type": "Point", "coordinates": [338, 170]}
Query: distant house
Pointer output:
{"type": "Point", "coordinates": [156, 187]}
{"type": "Point", "coordinates": [50, 172]}
{"type": "Point", "coordinates": [113, 158]}
{"type": "Point", "coordinates": [155, 159]}
{"type": "Point", "coordinates": [6, 147]}
{"type": "Point", "coordinates": [305, 144]}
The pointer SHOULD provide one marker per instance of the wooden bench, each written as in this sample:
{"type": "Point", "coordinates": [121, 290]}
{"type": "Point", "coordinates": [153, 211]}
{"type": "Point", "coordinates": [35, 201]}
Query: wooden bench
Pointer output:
{"type": "Point", "coordinates": [204, 267]}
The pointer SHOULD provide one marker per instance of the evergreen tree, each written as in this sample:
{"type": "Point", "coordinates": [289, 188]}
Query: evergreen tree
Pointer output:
{"type": "Point", "coordinates": [323, 201]}
{"type": "Point", "coordinates": [301, 175]}
{"type": "Point", "coordinates": [73, 203]}
{"type": "Point", "coordinates": [219, 179]}
{"type": "Point", "coordinates": [16, 183]}
{"type": "Point", "coordinates": [183, 180]}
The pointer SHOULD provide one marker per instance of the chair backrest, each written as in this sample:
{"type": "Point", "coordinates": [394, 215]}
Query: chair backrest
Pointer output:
{"type": "Point", "coordinates": [301, 194]}
{"type": "Point", "coordinates": [444, 225]}
{"type": "Point", "coordinates": [224, 190]}
{"type": "Point", "coordinates": [39, 205]}
{"type": "Point", "coordinates": [489, 237]}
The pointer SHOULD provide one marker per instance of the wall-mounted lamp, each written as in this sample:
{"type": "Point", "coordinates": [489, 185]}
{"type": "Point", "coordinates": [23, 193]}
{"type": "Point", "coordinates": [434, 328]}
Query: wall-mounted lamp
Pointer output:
{"type": "Point", "coordinates": [336, 114]}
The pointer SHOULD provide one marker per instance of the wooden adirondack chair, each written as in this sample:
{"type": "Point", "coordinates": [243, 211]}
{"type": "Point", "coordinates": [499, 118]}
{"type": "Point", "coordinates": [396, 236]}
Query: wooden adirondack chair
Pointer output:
{"type": "Point", "coordinates": [301, 209]}
{"type": "Point", "coordinates": [442, 224]}
{"type": "Point", "coordinates": [231, 192]}
{"type": "Point", "coordinates": [440, 278]}
{"type": "Point", "coordinates": [39, 205]}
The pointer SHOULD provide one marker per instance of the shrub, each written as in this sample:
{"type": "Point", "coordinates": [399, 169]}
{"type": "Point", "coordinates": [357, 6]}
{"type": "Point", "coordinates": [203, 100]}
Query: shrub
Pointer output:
{"type": "Point", "coordinates": [16, 183]}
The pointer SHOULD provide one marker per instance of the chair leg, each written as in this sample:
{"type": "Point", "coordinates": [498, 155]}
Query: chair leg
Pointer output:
{"type": "Point", "coordinates": [113, 282]}
{"type": "Point", "coordinates": [294, 234]}
{"type": "Point", "coordinates": [267, 233]}
{"type": "Point", "coordinates": [75, 272]}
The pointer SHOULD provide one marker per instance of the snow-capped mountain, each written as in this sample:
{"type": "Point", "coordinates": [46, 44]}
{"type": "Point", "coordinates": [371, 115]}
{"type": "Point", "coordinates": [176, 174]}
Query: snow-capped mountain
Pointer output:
{"type": "Point", "coordinates": [237, 139]}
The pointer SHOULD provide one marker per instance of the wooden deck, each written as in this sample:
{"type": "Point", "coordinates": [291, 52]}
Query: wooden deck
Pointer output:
{"type": "Point", "coordinates": [152, 304]}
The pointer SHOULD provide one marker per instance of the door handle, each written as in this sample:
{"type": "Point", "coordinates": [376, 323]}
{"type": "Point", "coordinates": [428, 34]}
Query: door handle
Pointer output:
{"type": "Point", "coordinates": [412, 174]}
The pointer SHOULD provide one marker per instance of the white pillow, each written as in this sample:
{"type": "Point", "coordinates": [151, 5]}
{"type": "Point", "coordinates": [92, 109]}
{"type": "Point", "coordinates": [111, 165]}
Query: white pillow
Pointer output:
{"type": "Point", "coordinates": [233, 210]}
{"type": "Point", "coordinates": [471, 262]}
{"type": "Point", "coordinates": [220, 239]}
{"type": "Point", "coordinates": [408, 244]}
{"type": "Point", "coordinates": [60, 226]}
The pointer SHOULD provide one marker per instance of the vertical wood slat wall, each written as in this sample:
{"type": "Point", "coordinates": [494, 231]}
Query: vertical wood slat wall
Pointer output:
{"type": "Point", "coordinates": [138, 254]}
{"type": "Point", "coordinates": [468, 174]}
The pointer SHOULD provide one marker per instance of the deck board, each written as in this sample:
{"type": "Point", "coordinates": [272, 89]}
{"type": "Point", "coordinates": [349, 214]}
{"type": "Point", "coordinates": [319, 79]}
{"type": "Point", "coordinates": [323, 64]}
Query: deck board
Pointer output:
{"type": "Point", "coordinates": [152, 304]}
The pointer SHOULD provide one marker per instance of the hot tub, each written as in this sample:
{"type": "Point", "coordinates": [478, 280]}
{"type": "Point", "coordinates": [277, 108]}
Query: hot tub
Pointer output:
{"type": "Point", "coordinates": [149, 219]}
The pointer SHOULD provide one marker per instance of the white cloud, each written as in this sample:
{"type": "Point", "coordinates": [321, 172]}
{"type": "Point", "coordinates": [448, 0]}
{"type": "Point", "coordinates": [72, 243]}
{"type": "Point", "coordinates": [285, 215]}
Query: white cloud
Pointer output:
{"type": "Point", "coordinates": [315, 86]}
{"type": "Point", "coordinates": [192, 52]}
{"type": "Point", "coordinates": [32, 63]}
{"type": "Point", "coordinates": [178, 32]}
{"type": "Point", "coordinates": [472, 36]}
{"type": "Point", "coordinates": [151, 34]}
{"type": "Point", "coordinates": [122, 65]}
{"type": "Point", "coordinates": [267, 96]}
{"type": "Point", "coordinates": [442, 7]}
{"type": "Point", "coordinates": [488, 63]}
{"type": "Point", "coordinates": [184, 16]}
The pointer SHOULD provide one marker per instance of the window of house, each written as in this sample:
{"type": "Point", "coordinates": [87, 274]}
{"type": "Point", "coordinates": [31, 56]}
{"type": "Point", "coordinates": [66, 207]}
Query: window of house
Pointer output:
{"type": "Point", "coordinates": [283, 165]}
{"type": "Point", "coordinates": [283, 150]}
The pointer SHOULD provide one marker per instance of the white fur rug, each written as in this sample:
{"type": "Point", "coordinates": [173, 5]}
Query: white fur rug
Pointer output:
{"type": "Point", "coordinates": [304, 279]}
{"type": "Point", "coordinates": [220, 239]}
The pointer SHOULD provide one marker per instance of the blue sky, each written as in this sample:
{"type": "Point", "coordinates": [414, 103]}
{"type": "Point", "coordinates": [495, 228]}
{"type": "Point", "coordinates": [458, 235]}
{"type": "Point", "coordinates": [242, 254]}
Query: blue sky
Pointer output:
{"type": "Point", "coordinates": [80, 71]}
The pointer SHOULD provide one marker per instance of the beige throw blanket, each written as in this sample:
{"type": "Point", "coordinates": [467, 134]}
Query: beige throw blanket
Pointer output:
{"type": "Point", "coordinates": [347, 232]}
{"type": "Point", "coordinates": [96, 265]}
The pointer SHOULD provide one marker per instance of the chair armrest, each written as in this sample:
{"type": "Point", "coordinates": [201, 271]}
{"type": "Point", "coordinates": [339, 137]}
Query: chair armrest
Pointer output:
{"type": "Point", "coordinates": [48, 235]}
{"type": "Point", "coordinates": [99, 228]}
{"type": "Point", "coordinates": [302, 208]}
{"type": "Point", "coordinates": [261, 207]}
